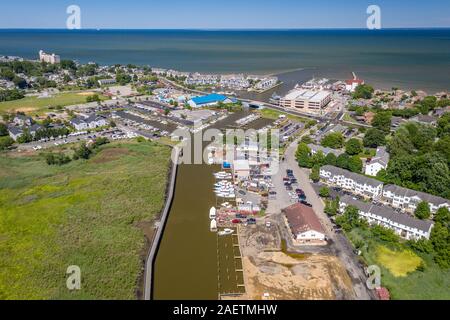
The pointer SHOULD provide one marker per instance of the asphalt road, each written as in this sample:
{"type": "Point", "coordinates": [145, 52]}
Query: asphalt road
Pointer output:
{"type": "Point", "coordinates": [341, 246]}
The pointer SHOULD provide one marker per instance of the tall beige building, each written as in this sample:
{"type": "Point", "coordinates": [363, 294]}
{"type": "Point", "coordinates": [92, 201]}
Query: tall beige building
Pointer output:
{"type": "Point", "coordinates": [49, 58]}
{"type": "Point", "coordinates": [306, 100]}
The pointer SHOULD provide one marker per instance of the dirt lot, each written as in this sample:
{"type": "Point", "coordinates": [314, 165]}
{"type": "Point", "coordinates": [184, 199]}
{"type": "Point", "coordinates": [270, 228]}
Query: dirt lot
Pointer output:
{"type": "Point", "coordinates": [298, 277]}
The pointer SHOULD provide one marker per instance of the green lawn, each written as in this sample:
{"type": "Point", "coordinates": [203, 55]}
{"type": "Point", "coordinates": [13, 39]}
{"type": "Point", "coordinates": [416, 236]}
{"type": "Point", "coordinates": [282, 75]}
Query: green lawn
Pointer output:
{"type": "Point", "coordinates": [39, 105]}
{"type": "Point", "coordinates": [398, 270]}
{"type": "Point", "coordinates": [274, 114]}
{"type": "Point", "coordinates": [86, 213]}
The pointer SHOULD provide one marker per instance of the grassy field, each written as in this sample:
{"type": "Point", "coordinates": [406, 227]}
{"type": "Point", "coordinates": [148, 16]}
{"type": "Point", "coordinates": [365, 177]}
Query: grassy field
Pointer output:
{"type": "Point", "coordinates": [274, 114]}
{"type": "Point", "coordinates": [39, 105]}
{"type": "Point", "coordinates": [87, 213]}
{"type": "Point", "coordinates": [399, 270]}
{"type": "Point", "coordinates": [399, 263]}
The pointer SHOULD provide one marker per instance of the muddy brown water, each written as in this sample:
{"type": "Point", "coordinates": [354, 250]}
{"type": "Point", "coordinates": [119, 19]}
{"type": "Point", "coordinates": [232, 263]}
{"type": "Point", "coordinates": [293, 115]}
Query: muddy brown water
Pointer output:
{"type": "Point", "coordinates": [187, 261]}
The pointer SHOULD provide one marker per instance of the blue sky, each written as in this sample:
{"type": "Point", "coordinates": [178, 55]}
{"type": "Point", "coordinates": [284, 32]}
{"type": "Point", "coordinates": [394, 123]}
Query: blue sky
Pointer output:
{"type": "Point", "coordinates": [218, 14]}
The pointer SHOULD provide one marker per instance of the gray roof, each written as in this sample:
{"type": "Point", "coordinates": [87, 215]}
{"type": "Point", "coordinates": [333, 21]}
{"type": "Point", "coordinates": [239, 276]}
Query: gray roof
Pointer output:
{"type": "Point", "coordinates": [389, 214]}
{"type": "Point", "coordinates": [35, 127]}
{"type": "Point", "coordinates": [15, 130]}
{"type": "Point", "coordinates": [404, 192]}
{"type": "Point", "coordinates": [382, 157]}
{"type": "Point", "coordinates": [77, 121]}
{"type": "Point", "coordinates": [425, 118]}
{"type": "Point", "coordinates": [361, 179]}
{"type": "Point", "coordinates": [325, 150]}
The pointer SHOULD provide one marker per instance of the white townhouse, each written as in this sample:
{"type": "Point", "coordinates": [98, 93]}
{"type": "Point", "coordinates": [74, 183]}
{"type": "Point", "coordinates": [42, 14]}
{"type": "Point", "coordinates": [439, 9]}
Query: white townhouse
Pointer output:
{"type": "Point", "coordinates": [377, 163]}
{"type": "Point", "coordinates": [91, 122]}
{"type": "Point", "coordinates": [402, 224]}
{"type": "Point", "coordinates": [407, 199]}
{"type": "Point", "coordinates": [351, 181]}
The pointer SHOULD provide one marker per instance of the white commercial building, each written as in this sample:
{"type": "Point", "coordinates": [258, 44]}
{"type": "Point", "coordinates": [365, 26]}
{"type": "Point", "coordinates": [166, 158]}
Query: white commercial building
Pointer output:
{"type": "Point", "coordinates": [304, 225]}
{"type": "Point", "coordinates": [351, 181]}
{"type": "Point", "coordinates": [402, 224]}
{"type": "Point", "coordinates": [378, 163]}
{"type": "Point", "coordinates": [49, 58]}
{"type": "Point", "coordinates": [306, 100]}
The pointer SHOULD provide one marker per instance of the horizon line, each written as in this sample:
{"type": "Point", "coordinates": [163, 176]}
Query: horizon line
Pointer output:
{"type": "Point", "coordinates": [230, 29]}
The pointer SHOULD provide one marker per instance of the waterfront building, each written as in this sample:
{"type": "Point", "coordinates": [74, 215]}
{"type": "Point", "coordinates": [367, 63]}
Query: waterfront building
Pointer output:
{"type": "Point", "coordinates": [353, 182]}
{"type": "Point", "coordinates": [407, 199]}
{"type": "Point", "coordinates": [266, 83]}
{"type": "Point", "coordinates": [208, 100]}
{"type": "Point", "coordinates": [402, 224]}
{"type": "Point", "coordinates": [49, 58]}
{"type": "Point", "coordinates": [306, 100]}
{"type": "Point", "coordinates": [304, 224]}
{"type": "Point", "coordinates": [377, 163]}
{"type": "Point", "coordinates": [241, 169]}
{"type": "Point", "coordinates": [351, 85]}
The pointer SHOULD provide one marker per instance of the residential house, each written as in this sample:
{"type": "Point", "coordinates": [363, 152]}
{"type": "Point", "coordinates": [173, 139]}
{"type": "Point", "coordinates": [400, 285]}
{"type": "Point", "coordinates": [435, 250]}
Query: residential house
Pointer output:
{"type": "Point", "coordinates": [407, 199]}
{"type": "Point", "coordinates": [325, 150]}
{"type": "Point", "coordinates": [402, 224]}
{"type": "Point", "coordinates": [425, 119]}
{"type": "Point", "coordinates": [15, 132]}
{"type": "Point", "coordinates": [377, 163]}
{"type": "Point", "coordinates": [21, 120]}
{"type": "Point", "coordinates": [304, 224]}
{"type": "Point", "coordinates": [351, 181]}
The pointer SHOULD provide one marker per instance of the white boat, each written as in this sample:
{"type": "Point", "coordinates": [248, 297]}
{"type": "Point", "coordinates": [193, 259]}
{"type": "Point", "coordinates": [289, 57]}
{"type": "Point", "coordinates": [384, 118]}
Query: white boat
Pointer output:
{"type": "Point", "coordinates": [212, 213]}
{"type": "Point", "coordinates": [229, 196]}
{"type": "Point", "coordinates": [225, 232]}
{"type": "Point", "coordinates": [222, 195]}
{"type": "Point", "coordinates": [213, 225]}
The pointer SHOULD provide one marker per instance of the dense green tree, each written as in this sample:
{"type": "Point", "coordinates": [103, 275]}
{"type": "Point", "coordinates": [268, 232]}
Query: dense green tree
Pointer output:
{"type": "Point", "coordinates": [440, 238]}
{"type": "Point", "coordinates": [342, 161]}
{"type": "Point", "coordinates": [315, 174]}
{"type": "Point", "coordinates": [422, 211]}
{"type": "Point", "coordinates": [333, 140]}
{"type": "Point", "coordinates": [25, 137]}
{"type": "Point", "coordinates": [443, 125]}
{"type": "Point", "coordinates": [68, 65]}
{"type": "Point", "coordinates": [442, 216]}
{"type": "Point", "coordinates": [302, 155]}
{"type": "Point", "coordinates": [349, 219]}
{"type": "Point", "coordinates": [363, 91]}
{"type": "Point", "coordinates": [330, 159]}
{"type": "Point", "coordinates": [324, 192]}
{"type": "Point", "coordinates": [382, 121]}
{"type": "Point", "coordinates": [353, 146]}
{"type": "Point", "coordinates": [3, 130]}
{"type": "Point", "coordinates": [374, 138]}
{"type": "Point", "coordinates": [6, 142]}
{"type": "Point", "coordinates": [355, 164]}
{"type": "Point", "coordinates": [83, 152]}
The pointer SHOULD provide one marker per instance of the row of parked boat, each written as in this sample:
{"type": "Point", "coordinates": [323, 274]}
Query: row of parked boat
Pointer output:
{"type": "Point", "coordinates": [213, 224]}
{"type": "Point", "coordinates": [222, 175]}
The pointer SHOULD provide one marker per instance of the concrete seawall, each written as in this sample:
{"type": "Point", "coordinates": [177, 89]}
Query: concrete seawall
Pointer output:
{"type": "Point", "coordinates": [150, 262]}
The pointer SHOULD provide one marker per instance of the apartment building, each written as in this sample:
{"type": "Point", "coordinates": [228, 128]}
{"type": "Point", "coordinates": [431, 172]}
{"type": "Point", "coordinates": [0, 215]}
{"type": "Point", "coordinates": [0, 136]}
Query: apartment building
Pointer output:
{"type": "Point", "coordinates": [49, 58]}
{"type": "Point", "coordinates": [377, 163]}
{"type": "Point", "coordinates": [402, 224]}
{"type": "Point", "coordinates": [306, 100]}
{"type": "Point", "coordinates": [407, 199]}
{"type": "Point", "coordinates": [351, 181]}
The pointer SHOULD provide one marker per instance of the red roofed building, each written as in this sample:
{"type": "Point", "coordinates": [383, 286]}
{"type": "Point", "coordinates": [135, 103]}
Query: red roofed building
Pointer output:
{"type": "Point", "coordinates": [304, 224]}
{"type": "Point", "coordinates": [350, 85]}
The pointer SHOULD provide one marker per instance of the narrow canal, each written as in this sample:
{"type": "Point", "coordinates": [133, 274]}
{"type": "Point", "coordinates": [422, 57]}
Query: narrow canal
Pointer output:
{"type": "Point", "coordinates": [187, 264]}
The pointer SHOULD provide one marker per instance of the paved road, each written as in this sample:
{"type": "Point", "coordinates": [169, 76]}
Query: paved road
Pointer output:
{"type": "Point", "coordinates": [340, 244]}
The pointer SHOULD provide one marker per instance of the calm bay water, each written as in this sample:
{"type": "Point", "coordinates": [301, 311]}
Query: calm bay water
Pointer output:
{"type": "Point", "coordinates": [415, 59]}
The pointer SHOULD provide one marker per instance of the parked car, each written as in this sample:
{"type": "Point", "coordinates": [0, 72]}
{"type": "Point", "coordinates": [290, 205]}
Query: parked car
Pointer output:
{"type": "Point", "coordinates": [236, 221]}
{"type": "Point", "coordinates": [306, 203]}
